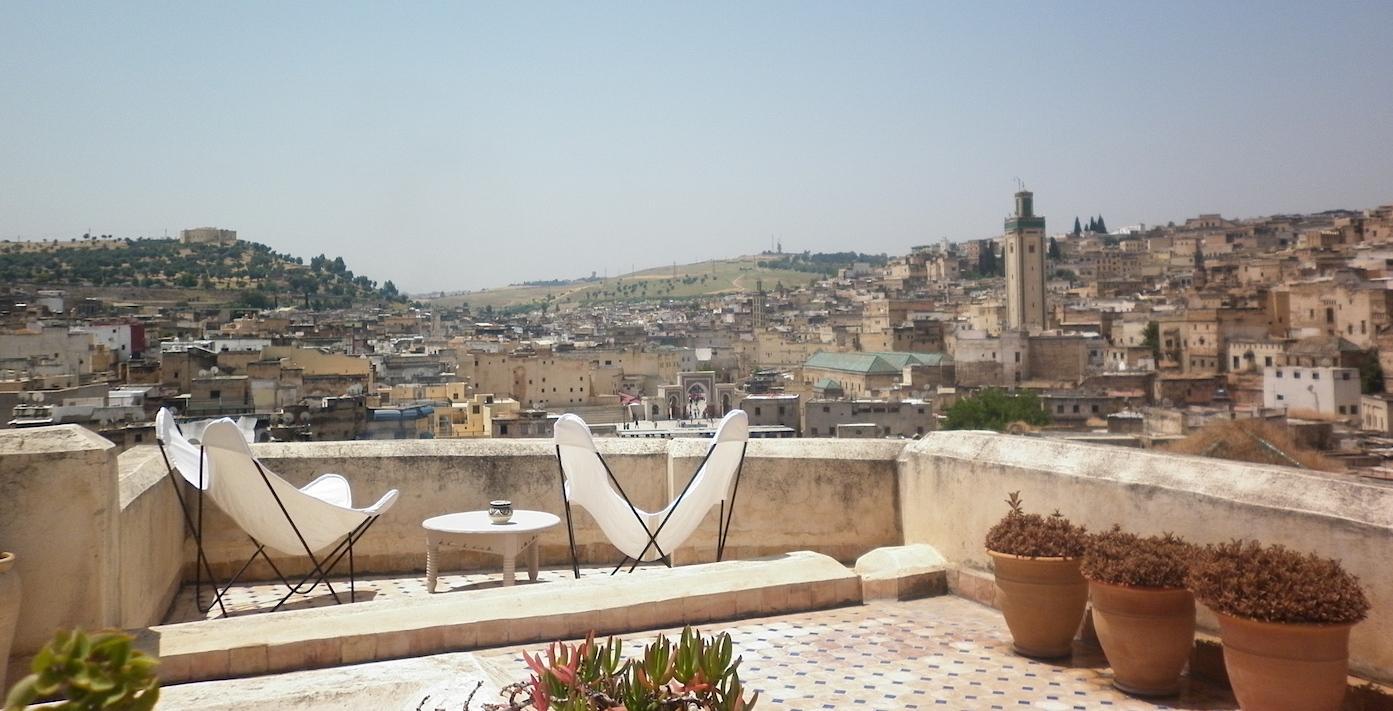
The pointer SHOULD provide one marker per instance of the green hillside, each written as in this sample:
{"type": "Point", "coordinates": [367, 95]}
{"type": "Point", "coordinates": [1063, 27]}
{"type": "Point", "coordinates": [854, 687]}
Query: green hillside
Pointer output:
{"type": "Point", "coordinates": [684, 281]}
{"type": "Point", "coordinates": [243, 272]}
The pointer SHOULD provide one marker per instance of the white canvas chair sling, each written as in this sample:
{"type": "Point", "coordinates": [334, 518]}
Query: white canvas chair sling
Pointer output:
{"type": "Point", "coordinates": [317, 521]}
{"type": "Point", "coordinates": [183, 459]}
{"type": "Point", "coordinates": [643, 536]}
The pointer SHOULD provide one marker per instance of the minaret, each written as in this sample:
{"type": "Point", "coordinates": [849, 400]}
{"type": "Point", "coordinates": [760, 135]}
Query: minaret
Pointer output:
{"type": "Point", "coordinates": [1025, 266]}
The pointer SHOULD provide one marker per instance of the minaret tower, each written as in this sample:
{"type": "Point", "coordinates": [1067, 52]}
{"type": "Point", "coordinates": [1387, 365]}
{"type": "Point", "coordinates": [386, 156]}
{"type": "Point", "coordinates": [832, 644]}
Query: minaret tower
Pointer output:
{"type": "Point", "coordinates": [1025, 266]}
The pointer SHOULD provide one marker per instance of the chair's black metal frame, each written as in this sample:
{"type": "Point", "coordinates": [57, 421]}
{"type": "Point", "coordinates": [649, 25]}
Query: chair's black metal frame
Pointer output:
{"type": "Point", "coordinates": [321, 567]}
{"type": "Point", "coordinates": [723, 519]}
{"type": "Point", "coordinates": [319, 572]}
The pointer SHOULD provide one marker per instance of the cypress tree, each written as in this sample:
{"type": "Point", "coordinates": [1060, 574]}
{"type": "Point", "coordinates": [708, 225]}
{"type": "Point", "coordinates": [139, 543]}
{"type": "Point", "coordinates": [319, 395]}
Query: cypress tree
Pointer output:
{"type": "Point", "coordinates": [1078, 229]}
{"type": "Point", "coordinates": [1102, 227]}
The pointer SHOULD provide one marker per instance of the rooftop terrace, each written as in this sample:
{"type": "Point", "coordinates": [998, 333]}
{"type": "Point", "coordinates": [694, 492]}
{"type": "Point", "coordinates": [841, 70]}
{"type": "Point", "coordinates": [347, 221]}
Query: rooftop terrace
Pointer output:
{"type": "Point", "coordinates": [911, 625]}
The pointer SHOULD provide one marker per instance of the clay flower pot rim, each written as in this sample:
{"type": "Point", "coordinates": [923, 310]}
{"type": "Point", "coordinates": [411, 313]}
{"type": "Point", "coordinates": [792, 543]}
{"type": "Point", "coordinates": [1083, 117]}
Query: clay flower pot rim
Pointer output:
{"type": "Point", "coordinates": [1134, 588]}
{"type": "Point", "coordinates": [1307, 625]}
{"type": "Point", "coordinates": [999, 554]}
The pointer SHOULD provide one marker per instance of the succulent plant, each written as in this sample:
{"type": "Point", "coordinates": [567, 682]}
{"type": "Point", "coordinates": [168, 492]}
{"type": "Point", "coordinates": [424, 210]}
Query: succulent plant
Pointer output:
{"type": "Point", "coordinates": [1116, 557]}
{"type": "Point", "coordinates": [1276, 584]}
{"type": "Point", "coordinates": [1035, 536]}
{"type": "Point", "coordinates": [102, 672]}
{"type": "Point", "coordinates": [695, 674]}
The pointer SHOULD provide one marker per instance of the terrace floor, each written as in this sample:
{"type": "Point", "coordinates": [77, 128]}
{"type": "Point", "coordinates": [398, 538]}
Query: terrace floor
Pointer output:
{"type": "Point", "coordinates": [251, 598]}
{"type": "Point", "coordinates": [935, 653]}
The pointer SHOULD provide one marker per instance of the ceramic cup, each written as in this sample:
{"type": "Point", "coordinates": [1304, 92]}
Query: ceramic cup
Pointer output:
{"type": "Point", "coordinates": [500, 511]}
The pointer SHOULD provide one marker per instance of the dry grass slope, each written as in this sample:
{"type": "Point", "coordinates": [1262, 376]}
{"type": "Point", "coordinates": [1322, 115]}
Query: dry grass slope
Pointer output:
{"type": "Point", "coordinates": [1255, 441]}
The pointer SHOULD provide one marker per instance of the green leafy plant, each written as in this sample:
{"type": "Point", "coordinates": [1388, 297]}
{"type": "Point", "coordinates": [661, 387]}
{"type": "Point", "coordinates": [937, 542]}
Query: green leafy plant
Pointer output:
{"type": "Point", "coordinates": [1276, 584]}
{"type": "Point", "coordinates": [694, 674]}
{"type": "Point", "coordinates": [102, 672]}
{"type": "Point", "coordinates": [1035, 536]}
{"type": "Point", "coordinates": [995, 409]}
{"type": "Point", "coordinates": [1120, 558]}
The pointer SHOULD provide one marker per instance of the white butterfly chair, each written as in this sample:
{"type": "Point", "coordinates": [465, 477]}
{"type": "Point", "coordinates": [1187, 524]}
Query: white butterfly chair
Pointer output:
{"type": "Point", "coordinates": [317, 521]}
{"type": "Point", "coordinates": [641, 535]}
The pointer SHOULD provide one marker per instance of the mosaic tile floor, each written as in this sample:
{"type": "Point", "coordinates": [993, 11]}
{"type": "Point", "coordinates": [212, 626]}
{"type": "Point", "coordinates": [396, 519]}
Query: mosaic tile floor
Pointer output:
{"type": "Point", "coordinates": [937, 653]}
{"type": "Point", "coordinates": [251, 598]}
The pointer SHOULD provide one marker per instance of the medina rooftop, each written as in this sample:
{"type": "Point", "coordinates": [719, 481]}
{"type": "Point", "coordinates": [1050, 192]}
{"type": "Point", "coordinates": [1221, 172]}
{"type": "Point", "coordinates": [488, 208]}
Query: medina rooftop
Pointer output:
{"type": "Point", "coordinates": [851, 572]}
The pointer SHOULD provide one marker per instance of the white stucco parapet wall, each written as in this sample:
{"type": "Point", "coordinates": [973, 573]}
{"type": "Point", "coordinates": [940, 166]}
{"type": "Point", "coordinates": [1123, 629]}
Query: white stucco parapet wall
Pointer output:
{"type": "Point", "coordinates": [953, 486]}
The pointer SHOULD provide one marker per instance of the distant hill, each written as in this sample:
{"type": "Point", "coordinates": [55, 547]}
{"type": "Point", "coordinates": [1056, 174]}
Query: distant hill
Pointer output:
{"type": "Point", "coordinates": [243, 272]}
{"type": "Point", "coordinates": [683, 281]}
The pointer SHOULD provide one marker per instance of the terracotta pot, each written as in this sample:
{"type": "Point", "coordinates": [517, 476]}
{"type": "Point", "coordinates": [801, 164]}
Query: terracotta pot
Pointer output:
{"type": "Point", "coordinates": [1281, 666]}
{"type": "Point", "coordinates": [1042, 600]}
{"type": "Point", "coordinates": [9, 611]}
{"type": "Point", "coordinates": [1146, 633]}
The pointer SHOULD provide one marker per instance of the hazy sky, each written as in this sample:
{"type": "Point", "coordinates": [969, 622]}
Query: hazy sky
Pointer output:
{"type": "Point", "coordinates": [459, 145]}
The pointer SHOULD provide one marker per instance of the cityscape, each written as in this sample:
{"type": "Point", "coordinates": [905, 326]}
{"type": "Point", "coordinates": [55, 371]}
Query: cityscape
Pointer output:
{"type": "Point", "coordinates": [1143, 336]}
{"type": "Point", "coordinates": [696, 357]}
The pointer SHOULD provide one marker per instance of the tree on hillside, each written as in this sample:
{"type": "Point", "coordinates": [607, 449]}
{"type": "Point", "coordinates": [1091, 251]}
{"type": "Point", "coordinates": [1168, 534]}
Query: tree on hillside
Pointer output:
{"type": "Point", "coordinates": [1092, 225]}
{"type": "Point", "coordinates": [389, 289]}
{"type": "Point", "coordinates": [996, 409]}
{"type": "Point", "coordinates": [1054, 249]}
{"type": "Point", "coordinates": [1078, 229]}
{"type": "Point", "coordinates": [1102, 226]}
{"type": "Point", "coordinates": [1370, 373]}
{"type": "Point", "coordinates": [1151, 338]}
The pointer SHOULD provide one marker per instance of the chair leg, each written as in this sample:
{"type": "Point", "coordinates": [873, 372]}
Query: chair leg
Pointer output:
{"type": "Point", "coordinates": [621, 565]}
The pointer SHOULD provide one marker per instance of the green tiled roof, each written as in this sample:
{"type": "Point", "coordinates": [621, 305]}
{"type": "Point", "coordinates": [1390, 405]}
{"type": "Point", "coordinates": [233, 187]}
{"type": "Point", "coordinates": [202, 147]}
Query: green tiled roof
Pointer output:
{"type": "Point", "coordinates": [873, 363]}
{"type": "Point", "coordinates": [825, 384]}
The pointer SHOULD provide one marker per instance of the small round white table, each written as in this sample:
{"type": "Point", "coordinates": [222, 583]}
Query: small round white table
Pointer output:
{"type": "Point", "coordinates": [472, 530]}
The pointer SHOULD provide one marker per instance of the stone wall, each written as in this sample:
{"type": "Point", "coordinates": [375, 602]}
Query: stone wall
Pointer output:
{"type": "Point", "coordinates": [953, 486]}
{"type": "Point", "coordinates": [59, 516]}
{"type": "Point", "coordinates": [151, 538]}
{"type": "Point", "coordinates": [832, 496]}
{"type": "Point", "coordinates": [794, 495]}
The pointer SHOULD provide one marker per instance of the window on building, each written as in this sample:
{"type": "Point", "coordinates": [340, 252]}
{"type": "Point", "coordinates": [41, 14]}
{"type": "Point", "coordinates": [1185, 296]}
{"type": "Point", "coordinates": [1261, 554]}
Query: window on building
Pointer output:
{"type": "Point", "coordinates": [1341, 408]}
{"type": "Point", "coordinates": [1076, 408]}
{"type": "Point", "coordinates": [1093, 408]}
{"type": "Point", "coordinates": [814, 431]}
{"type": "Point", "coordinates": [1344, 375]}
{"type": "Point", "coordinates": [214, 394]}
{"type": "Point", "coordinates": [1059, 409]}
{"type": "Point", "coordinates": [1296, 374]}
{"type": "Point", "coordinates": [826, 408]}
{"type": "Point", "coordinates": [1281, 396]}
{"type": "Point", "coordinates": [1315, 375]}
{"type": "Point", "coordinates": [1267, 361]}
{"type": "Point", "coordinates": [757, 412]}
{"type": "Point", "coordinates": [503, 429]}
{"type": "Point", "coordinates": [1354, 409]}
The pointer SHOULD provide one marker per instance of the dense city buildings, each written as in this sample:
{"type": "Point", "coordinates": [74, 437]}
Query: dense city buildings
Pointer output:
{"type": "Point", "coordinates": [1144, 333]}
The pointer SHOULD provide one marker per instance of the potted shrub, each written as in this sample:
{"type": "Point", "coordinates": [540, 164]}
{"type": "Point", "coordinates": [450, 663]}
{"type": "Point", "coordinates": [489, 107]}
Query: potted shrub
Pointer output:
{"type": "Point", "coordinates": [9, 608]}
{"type": "Point", "coordinates": [101, 671]}
{"type": "Point", "coordinates": [1144, 616]}
{"type": "Point", "coordinates": [1039, 589]}
{"type": "Point", "coordinates": [1285, 619]}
